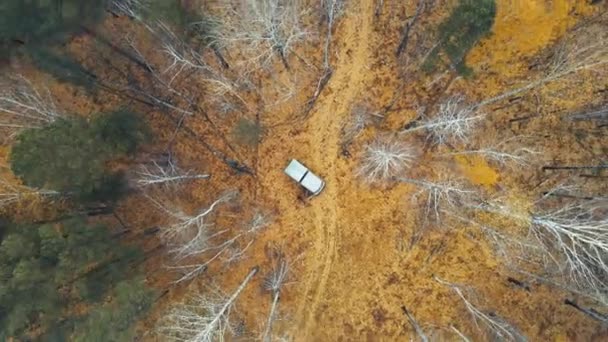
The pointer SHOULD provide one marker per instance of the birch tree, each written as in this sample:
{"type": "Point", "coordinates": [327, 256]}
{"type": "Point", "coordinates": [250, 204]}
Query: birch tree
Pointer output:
{"type": "Point", "coordinates": [205, 317]}
{"type": "Point", "coordinates": [13, 193]}
{"type": "Point", "coordinates": [488, 323]}
{"type": "Point", "coordinates": [134, 9]}
{"type": "Point", "coordinates": [194, 242]}
{"type": "Point", "coordinates": [360, 118]}
{"type": "Point", "coordinates": [566, 243]}
{"type": "Point", "coordinates": [167, 175]}
{"type": "Point", "coordinates": [262, 29]}
{"type": "Point", "coordinates": [439, 197]}
{"type": "Point", "coordinates": [454, 122]}
{"type": "Point", "coordinates": [273, 283]}
{"type": "Point", "coordinates": [599, 114]}
{"type": "Point", "coordinates": [386, 158]}
{"type": "Point", "coordinates": [22, 105]}
{"type": "Point", "coordinates": [508, 151]}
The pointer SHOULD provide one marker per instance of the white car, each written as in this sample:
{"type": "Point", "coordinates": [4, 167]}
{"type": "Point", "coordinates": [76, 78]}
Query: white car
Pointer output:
{"type": "Point", "coordinates": [301, 174]}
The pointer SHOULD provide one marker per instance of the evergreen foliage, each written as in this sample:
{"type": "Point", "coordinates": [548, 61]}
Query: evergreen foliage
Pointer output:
{"type": "Point", "coordinates": [46, 269]}
{"type": "Point", "coordinates": [44, 22]}
{"type": "Point", "coordinates": [113, 321]}
{"type": "Point", "coordinates": [468, 23]}
{"type": "Point", "coordinates": [71, 156]}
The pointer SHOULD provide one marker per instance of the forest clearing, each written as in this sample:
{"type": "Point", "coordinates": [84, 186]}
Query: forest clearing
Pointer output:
{"type": "Point", "coordinates": [462, 144]}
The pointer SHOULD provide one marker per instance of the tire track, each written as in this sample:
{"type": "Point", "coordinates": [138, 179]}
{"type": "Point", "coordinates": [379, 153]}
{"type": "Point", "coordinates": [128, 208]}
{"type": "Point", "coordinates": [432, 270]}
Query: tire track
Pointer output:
{"type": "Point", "coordinates": [324, 129]}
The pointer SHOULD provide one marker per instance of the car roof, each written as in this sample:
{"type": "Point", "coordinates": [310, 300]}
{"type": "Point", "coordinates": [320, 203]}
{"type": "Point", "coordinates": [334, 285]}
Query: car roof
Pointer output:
{"type": "Point", "coordinates": [312, 183]}
{"type": "Point", "coordinates": [295, 170]}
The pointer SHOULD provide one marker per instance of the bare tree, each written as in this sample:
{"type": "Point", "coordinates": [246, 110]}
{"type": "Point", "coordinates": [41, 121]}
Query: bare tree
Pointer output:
{"type": "Point", "coordinates": [205, 318]}
{"type": "Point", "coordinates": [487, 322]}
{"type": "Point", "coordinates": [332, 9]}
{"type": "Point", "coordinates": [133, 9]}
{"type": "Point", "coordinates": [167, 175]}
{"type": "Point", "coordinates": [14, 193]}
{"type": "Point", "coordinates": [600, 114]}
{"type": "Point", "coordinates": [360, 118]}
{"type": "Point", "coordinates": [438, 197]}
{"type": "Point", "coordinates": [405, 34]}
{"type": "Point", "coordinates": [257, 223]}
{"type": "Point", "coordinates": [414, 324]}
{"type": "Point", "coordinates": [508, 151]}
{"type": "Point", "coordinates": [274, 282]}
{"type": "Point", "coordinates": [580, 50]}
{"type": "Point", "coordinates": [568, 241]}
{"type": "Point", "coordinates": [194, 244]}
{"type": "Point", "coordinates": [578, 231]}
{"type": "Point", "coordinates": [189, 234]}
{"type": "Point", "coordinates": [261, 29]}
{"type": "Point", "coordinates": [459, 334]}
{"type": "Point", "coordinates": [184, 61]}
{"type": "Point", "coordinates": [24, 106]}
{"type": "Point", "coordinates": [386, 158]}
{"type": "Point", "coordinates": [453, 122]}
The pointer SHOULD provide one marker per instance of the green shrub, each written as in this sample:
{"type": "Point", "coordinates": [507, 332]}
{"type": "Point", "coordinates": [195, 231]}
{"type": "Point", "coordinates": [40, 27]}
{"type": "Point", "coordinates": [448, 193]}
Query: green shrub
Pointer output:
{"type": "Point", "coordinates": [468, 23]}
{"type": "Point", "coordinates": [247, 132]}
{"type": "Point", "coordinates": [38, 23]}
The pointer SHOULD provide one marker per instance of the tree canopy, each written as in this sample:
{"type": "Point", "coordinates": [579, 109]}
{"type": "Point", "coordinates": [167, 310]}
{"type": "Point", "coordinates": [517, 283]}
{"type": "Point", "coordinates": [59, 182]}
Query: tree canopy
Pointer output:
{"type": "Point", "coordinates": [72, 156]}
{"type": "Point", "coordinates": [46, 269]}
{"type": "Point", "coordinates": [44, 22]}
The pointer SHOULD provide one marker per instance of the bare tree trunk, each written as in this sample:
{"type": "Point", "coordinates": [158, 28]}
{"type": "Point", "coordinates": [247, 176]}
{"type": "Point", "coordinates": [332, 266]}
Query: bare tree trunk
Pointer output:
{"type": "Point", "coordinates": [589, 312]}
{"type": "Point", "coordinates": [204, 318]}
{"type": "Point", "coordinates": [220, 57]}
{"type": "Point", "coordinates": [271, 316]}
{"type": "Point", "coordinates": [582, 167]}
{"type": "Point", "coordinates": [98, 37]}
{"type": "Point", "coordinates": [405, 35]}
{"type": "Point", "coordinates": [378, 10]}
{"type": "Point", "coordinates": [415, 324]}
{"type": "Point", "coordinates": [601, 114]}
{"type": "Point", "coordinates": [283, 58]}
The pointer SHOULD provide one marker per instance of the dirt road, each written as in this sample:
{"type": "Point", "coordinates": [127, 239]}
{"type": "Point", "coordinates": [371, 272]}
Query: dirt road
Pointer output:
{"type": "Point", "coordinates": [317, 145]}
{"type": "Point", "coordinates": [330, 113]}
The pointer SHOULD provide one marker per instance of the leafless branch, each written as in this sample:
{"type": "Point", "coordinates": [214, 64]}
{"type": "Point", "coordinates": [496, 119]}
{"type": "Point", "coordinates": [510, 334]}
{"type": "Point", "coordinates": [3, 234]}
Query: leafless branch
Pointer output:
{"type": "Point", "coordinates": [274, 282]}
{"type": "Point", "coordinates": [414, 324]}
{"type": "Point", "coordinates": [508, 151]}
{"type": "Point", "coordinates": [439, 196]}
{"type": "Point", "coordinates": [14, 193]}
{"type": "Point", "coordinates": [166, 175]}
{"type": "Point", "coordinates": [24, 106]}
{"type": "Point", "coordinates": [260, 29]}
{"type": "Point", "coordinates": [454, 122]}
{"type": "Point", "coordinates": [492, 324]}
{"type": "Point", "coordinates": [205, 318]}
{"type": "Point", "coordinates": [386, 158]}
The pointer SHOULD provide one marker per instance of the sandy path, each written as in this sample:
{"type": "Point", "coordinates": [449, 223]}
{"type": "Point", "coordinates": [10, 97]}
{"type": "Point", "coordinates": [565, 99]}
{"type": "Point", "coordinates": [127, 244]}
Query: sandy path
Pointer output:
{"type": "Point", "coordinates": [324, 128]}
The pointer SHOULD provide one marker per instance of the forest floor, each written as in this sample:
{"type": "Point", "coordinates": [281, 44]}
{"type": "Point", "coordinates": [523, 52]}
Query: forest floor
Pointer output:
{"type": "Point", "coordinates": [353, 266]}
{"type": "Point", "coordinates": [352, 270]}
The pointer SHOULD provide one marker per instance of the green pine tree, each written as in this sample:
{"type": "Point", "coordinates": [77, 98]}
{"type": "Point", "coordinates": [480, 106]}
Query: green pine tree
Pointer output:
{"type": "Point", "coordinates": [71, 156]}
{"type": "Point", "coordinates": [46, 269]}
